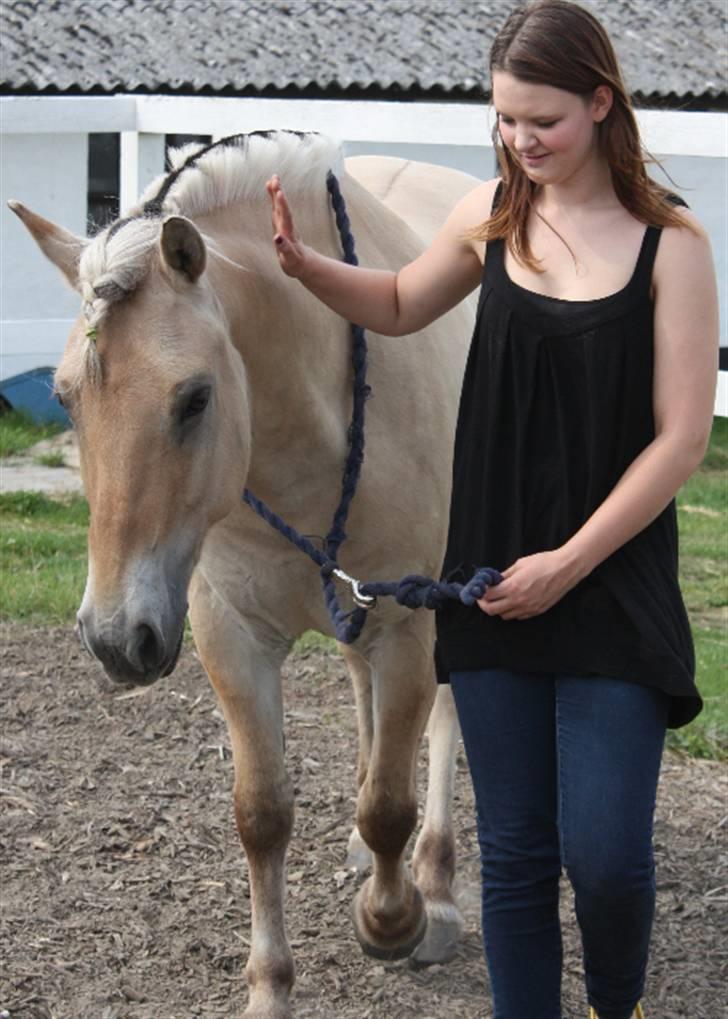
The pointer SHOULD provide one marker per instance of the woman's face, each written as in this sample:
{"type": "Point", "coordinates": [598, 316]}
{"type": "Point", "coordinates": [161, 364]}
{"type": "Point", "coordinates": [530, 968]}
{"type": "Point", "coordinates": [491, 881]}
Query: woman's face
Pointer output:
{"type": "Point", "coordinates": [551, 133]}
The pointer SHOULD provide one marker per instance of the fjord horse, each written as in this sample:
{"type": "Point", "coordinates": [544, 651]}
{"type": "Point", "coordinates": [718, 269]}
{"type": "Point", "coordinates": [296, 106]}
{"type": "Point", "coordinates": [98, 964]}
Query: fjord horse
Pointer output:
{"type": "Point", "coordinates": [197, 368]}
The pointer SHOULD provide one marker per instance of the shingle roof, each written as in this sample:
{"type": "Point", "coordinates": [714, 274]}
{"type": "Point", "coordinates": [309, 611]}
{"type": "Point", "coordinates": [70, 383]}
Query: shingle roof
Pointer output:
{"type": "Point", "coordinates": [668, 48]}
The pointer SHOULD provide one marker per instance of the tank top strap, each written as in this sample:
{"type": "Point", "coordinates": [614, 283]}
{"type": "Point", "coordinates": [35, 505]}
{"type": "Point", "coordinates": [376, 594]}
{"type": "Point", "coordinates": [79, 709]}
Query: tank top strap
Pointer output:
{"type": "Point", "coordinates": [493, 263]}
{"type": "Point", "coordinates": [642, 276]}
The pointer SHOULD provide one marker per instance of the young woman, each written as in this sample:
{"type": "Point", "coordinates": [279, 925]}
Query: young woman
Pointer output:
{"type": "Point", "coordinates": [587, 403]}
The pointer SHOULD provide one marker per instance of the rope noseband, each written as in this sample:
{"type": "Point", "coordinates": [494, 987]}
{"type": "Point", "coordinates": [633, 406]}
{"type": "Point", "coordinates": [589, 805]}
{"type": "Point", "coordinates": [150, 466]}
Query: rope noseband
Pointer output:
{"type": "Point", "coordinates": [413, 591]}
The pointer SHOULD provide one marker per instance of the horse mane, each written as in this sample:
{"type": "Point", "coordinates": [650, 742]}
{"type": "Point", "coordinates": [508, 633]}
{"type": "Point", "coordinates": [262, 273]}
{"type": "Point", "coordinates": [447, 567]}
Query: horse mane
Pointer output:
{"type": "Point", "coordinates": [235, 169]}
{"type": "Point", "coordinates": [203, 178]}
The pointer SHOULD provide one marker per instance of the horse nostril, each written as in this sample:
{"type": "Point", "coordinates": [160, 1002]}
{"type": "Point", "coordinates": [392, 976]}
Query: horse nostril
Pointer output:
{"type": "Point", "coordinates": [146, 649]}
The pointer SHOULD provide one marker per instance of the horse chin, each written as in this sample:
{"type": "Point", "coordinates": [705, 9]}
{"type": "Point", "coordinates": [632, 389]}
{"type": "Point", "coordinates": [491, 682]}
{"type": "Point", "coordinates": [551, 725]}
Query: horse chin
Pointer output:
{"type": "Point", "coordinates": [130, 681]}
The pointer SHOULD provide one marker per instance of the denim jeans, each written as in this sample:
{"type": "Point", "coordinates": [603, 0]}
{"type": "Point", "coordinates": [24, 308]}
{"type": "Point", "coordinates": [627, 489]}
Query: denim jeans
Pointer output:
{"type": "Point", "coordinates": [565, 773]}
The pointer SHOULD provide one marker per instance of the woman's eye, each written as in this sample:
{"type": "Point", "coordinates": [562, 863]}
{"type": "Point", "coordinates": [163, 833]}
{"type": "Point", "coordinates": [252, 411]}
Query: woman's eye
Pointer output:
{"type": "Point", "coordinates": [509, 122]}
{"type": "Point", "coordinates": [195, 404]}
{"type": "Point", "coordinates": [60, 399]}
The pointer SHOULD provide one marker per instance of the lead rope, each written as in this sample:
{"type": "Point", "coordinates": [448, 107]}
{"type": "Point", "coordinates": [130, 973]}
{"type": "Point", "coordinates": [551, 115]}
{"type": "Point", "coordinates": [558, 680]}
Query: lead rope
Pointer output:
{"type": "Point", "coordinates": [413, 591]}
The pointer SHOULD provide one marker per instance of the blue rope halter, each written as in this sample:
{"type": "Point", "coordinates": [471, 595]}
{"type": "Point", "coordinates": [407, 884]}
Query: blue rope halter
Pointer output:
{"type": "Point", "coordinates": [413, 591]}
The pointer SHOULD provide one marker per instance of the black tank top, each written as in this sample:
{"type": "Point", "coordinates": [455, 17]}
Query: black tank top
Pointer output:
{"type": "Point", "coordinates": [556, 404]}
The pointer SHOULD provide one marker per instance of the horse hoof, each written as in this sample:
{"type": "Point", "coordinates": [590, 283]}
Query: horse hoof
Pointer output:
{"type": "Point", "coordinates": [444, 929]}
{"type": "Point", "coordinates": [389, 937]}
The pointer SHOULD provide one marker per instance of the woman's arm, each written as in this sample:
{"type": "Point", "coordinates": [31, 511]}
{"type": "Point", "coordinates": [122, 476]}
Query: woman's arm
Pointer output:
{"type": "Point", "coordinates": [686, 364]}
{"type": "Point", "coordinates": [389, 303]}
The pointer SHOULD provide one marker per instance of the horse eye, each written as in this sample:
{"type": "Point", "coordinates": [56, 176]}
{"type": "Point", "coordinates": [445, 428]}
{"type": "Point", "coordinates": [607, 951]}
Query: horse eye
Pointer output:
{"type": "Point", "coordinates": [195, 403]}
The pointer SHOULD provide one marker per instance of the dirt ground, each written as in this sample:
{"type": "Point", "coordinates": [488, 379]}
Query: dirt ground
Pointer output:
{"type": "Point", "coordinates": [124, 888]}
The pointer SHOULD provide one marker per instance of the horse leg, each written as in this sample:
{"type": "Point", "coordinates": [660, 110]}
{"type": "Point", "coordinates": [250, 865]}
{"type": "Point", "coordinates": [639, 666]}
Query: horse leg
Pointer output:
{"type": "Point", "coordinates": [433, 862]}
{"type": "Point", "coordinates": [244, 669]}
{"type": "Point", "coordinates": [359, 855]}
{"type": "Point", "coordinates": [388, 911]}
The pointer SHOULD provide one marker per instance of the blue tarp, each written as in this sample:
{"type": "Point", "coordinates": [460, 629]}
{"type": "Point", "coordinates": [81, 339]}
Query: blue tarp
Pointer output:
{"type": "Point", "coordinates": [32, 392]}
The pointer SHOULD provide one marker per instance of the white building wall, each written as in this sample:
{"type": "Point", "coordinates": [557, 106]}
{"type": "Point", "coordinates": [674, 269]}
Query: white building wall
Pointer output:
{"type": "Point", "coordinates": [48, 173]}
{"type": "Point", "coordinates": [44, 161]}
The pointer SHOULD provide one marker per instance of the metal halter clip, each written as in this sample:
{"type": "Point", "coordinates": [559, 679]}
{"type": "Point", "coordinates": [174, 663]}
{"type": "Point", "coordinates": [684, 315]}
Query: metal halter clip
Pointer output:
{"type": "Point", "coordinates": [364, 601]}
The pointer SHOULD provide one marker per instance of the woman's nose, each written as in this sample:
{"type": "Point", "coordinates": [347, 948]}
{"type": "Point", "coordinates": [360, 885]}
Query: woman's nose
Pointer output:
{"type": "Point", "coordinates": [524, 139]}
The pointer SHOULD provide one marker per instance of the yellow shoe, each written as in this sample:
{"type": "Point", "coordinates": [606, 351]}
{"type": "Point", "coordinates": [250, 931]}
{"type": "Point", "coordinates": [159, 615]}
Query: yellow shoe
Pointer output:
{"type": "Point", "coordinates": [638, 1013]}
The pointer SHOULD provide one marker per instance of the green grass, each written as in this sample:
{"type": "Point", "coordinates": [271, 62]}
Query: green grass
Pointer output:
{"type": "Point", "coordinates": [42, 556]}
{"type": "Point", "coordinates": [50, 460]}
{"type": "Point", "coordinates": [43, 563]}
{"type": "Point", "coordinates": [19, 432]}
{"type": "Point", "coordinates": [703, 518]}
{"type": "Point", "coordinates": [313, 641]}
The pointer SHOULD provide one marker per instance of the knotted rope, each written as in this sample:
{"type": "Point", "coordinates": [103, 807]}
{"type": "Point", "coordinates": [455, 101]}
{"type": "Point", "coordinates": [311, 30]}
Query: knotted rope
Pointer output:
{"type": "Point", "coordinates": [413, 591]}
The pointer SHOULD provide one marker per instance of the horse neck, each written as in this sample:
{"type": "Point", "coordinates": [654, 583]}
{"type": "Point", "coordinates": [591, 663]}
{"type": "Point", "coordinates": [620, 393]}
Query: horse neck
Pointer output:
{"type": "Point", "coordinates": [297, 353]}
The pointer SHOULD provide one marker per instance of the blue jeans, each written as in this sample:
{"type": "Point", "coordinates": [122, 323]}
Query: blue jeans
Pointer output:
{"type": "Point", "coordinates": [565, 773]}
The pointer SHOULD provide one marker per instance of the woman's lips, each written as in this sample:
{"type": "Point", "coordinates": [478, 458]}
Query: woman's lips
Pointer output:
{"type": "Point", "coordinates": [534, 160]}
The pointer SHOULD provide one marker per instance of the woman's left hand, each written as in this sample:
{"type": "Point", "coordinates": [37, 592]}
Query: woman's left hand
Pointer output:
{"type": "Point", "coordinates": [530, 586]}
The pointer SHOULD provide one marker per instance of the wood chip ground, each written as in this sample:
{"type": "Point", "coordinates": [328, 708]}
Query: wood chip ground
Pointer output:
{"type": "Point", "coordinates": [124, 888]}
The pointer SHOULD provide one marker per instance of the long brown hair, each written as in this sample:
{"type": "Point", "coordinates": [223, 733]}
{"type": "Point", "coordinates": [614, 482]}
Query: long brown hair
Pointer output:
{"type": "Point", "coordinates": [558, 43]}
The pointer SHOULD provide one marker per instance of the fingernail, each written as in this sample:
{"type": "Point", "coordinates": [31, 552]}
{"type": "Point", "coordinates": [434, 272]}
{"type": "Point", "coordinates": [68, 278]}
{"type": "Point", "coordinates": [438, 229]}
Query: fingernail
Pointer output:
{"type": "Point", "coordinates": [278, 239]}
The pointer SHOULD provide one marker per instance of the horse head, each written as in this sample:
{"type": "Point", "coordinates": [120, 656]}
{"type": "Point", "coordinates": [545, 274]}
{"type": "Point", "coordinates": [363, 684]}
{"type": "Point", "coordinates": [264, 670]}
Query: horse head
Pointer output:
{"type": "Point", "coordinates": [158, 396]}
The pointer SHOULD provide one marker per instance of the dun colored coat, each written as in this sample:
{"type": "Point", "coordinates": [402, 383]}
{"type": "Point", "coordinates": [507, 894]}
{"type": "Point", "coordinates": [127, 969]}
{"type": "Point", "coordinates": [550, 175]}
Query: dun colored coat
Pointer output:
{"type": "Point", "coordinates": [197, 368]}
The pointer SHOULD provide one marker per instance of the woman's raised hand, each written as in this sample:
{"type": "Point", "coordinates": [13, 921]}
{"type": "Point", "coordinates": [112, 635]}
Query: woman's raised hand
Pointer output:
{"type": "Point", "coordinates": [289, 248]}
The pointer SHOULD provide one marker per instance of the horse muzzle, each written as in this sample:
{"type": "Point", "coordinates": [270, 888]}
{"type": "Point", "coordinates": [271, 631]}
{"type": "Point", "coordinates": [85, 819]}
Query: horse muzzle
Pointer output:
{"type": "Point", "coordinates": [135, 655]}
{"type": "Point", "coordinates": [134, 626]}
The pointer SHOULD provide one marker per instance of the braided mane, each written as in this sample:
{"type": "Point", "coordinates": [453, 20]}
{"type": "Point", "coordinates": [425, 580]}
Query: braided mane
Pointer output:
{"type": "Point", "coordinates": [203, 178]}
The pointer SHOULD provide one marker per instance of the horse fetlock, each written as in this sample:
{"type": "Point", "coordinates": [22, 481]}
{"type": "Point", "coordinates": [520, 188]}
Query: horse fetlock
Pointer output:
{"type": "Point", "coordinates": [388, 927]}
{"type": "Point", "coordinates": [270, 980]}
{"type": "Point", "coordinates": [260, 1009]}
{"type": "Point", "coordinates": [385, 823]}
{"type": "Point", "coordinates": [433, 864]}
{"type": "Point", "coordinates": [359, 855]}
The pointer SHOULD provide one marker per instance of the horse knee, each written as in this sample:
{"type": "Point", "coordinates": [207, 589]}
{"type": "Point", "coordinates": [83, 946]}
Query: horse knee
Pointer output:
{"type": "Point", "coordinates": [384, 822]}
{"type": "Point", "coordinates": [264, 817]}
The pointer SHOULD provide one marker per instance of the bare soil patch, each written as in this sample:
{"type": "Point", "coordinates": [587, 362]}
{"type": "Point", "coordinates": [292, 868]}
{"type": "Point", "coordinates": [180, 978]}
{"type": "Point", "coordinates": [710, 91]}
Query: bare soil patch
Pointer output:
{"type": "Point", "coordinates": [125, 892]}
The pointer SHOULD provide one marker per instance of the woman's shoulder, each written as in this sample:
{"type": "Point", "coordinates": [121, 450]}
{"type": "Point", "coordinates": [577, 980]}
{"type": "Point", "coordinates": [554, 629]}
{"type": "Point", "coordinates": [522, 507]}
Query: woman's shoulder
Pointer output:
{"type": "Point", "coordinates": [476, 206]}
{"type": "Point", "coordinates": [690, 225]}
{"type": "Point", "coordinates": [684, 254]}
{"type": "Point", "coordinates": [482, 197]}
{"type": "Point", "coordinates": [683, 240]}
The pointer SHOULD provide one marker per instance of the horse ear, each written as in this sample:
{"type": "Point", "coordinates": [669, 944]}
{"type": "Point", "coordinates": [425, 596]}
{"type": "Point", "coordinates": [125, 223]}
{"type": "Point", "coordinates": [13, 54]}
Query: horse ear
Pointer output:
{"type": "Point", "coordinates": [64, 249]}
{"type": "Point", "coordinates": [183, 248]}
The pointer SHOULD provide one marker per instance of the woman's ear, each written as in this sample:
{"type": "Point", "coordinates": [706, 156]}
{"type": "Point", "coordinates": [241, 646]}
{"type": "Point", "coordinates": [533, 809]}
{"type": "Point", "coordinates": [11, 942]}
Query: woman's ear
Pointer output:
{"type": "Point", "coordinates": [602, 101]}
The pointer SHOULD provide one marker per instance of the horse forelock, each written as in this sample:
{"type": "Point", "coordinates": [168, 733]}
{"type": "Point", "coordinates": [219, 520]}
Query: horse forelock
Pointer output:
{"type": "Point", "coordinates": [202, 179]}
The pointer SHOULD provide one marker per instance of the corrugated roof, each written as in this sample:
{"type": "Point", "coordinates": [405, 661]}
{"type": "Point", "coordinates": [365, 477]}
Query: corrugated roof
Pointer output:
{"type": "Point", "coordinates": [668, 48]}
